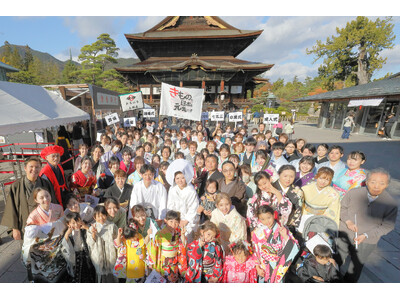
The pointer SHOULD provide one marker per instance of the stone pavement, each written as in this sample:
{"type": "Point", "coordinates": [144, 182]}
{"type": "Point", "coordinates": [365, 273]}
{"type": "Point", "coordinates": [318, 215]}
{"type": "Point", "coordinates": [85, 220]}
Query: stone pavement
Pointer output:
{"type": "Point", "coordinates": [384, 263]}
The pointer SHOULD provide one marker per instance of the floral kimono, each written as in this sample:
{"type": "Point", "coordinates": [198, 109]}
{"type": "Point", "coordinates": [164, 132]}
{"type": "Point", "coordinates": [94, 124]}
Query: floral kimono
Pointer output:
{"type": "Point", "coordinates": [204, 262]}
{"type": "Point", "coordinates": [130, 262]}
{"type": "Point", "coordinates": [325, 202]}
{"type": "Point", "coordinates": [302, 181]}
{"type": "Point", "coordinates": [274, 254]}
{"type": "Point", "coordinates": [42, 252]}
{"type": "Point", "coordinates": [234, 272]}
{"type": "Point", "coordinates": [102, 250]}
{"type": "Point", "coordinates": [84, 184]}
{"type": "Point", "coordinates": [232, 226]}
{"type": "Point", "coordinates": [347, 180]}
{"type": "Point", "coordinates": [168, 255]}
{"type": "Point", "coordinates": [284, 207]}
{"type": "Point", "coordinates": [295, 195]}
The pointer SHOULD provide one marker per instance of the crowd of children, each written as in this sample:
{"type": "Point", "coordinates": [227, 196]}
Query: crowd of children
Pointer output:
{"type": "Point", "coordinates": [239, 218]}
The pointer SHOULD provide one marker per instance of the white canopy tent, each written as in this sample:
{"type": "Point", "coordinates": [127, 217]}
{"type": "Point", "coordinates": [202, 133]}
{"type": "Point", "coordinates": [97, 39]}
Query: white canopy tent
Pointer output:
{"type": "Point", "coordinates": [26, 107]}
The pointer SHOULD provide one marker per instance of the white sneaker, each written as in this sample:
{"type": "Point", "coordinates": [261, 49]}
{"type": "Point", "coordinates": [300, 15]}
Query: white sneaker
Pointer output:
{"type": "Point", "coordinates": [389, 139]}
{"type": "Point", "coordinates": [385, 138]}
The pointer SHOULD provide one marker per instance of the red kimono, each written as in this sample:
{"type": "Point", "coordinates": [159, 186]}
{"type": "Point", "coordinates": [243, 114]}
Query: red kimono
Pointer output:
{"type": "Point", "coordinates": [203, 262]}
{"type": "Point", "coordinates": [129, 170]}
{"type": "Point", "coordinates": [83, 184]}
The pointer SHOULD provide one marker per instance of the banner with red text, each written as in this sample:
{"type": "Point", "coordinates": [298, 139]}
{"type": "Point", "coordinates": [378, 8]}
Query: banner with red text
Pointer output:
{"type": "Point", "coordinates": [181, 102]}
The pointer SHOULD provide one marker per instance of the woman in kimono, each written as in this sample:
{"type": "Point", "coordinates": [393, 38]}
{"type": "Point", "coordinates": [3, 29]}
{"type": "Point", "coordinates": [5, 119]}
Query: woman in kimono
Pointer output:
{"type": "Point", "coordinates": [41, 249]}
{"type": "Point", "coordinates": [285, 185]}
{"type": "Point", "coordinates": [353, 176]}
{"type": "Point", "coordinates": [320, 198]}
{"type": "Point", "coordinates": [116, 213]}
{"type": "Point", "coordinates": [274, 246]}
{"type": "Point", "coordinates": [305, 174]}
{"type": "Point", "coordinates": [84, 180]}
{"type": "Point", "coordinates": [267, 195]}
{"type": "Point", "coordinates": [146, 225]}
{"type": "Point", "coordinates": [97, 166]}
{"type": "Point", "coordinates": [230, 223]}
{"type": "Point", "coordinates": [168, 250]}
{"type": "Point", "coordinates": [182, 197]}
{"type": "Point", "coordinates": [205, 256]}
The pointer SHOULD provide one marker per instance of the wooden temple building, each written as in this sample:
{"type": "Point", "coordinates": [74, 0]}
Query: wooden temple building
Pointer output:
{"type": "Point", "coordinates": [196, 52]}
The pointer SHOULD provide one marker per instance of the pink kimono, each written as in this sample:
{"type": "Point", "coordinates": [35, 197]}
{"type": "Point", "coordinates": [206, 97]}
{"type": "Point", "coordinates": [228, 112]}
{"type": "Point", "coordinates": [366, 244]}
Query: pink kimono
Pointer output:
{"type": "Point", "coordinates": [234, 272]}
{"type": "Point", "coordinates": [39, 217]}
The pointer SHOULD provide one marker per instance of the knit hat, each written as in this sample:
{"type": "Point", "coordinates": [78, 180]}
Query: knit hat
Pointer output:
{"type": "Point", "coordinates": [50, 150]}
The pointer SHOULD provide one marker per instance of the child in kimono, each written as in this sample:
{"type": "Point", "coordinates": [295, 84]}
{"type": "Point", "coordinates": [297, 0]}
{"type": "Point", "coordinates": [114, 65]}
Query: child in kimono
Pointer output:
{"type": "Point", "coordinates": [76, 250]}
{"type": "Point", "coordinates": [240, 266]}
{"type": "Point", "coordinates": [320, 267]}
{"type": "Point", "coordinates": [168, 251]}
{"type": "Point", "coordinates": [207, 204]}
{"type": "Point", "coordinates": [274, 245]}
{"type": "Point", "coordinates": [130, 265]}
{"type": "Point", "coordinates": [144, 223]}
{"type": "Point", "coordinates": [231, 224]}
{"type": "Point", "coordinates": [100, 240]}
{"type": "Point", "coordinates": [205, 256]}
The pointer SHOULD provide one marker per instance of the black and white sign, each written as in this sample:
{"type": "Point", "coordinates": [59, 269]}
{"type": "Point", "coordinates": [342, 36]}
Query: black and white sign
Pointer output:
{"type": "Point", "coordinates": [130, 122]}
{"type": "Point", "coordinates": [112, 119]}
{"type": "Point", "coordinates": [131, 101]}
{"type": "Point", "coordinates": [235, 117]}
{"type": "Point", "coordinates": [204, 116]}
{"type": "Point", "coordinates": [149, 113]}
{"type": "Point", "coordinates": [271, 118]}
{"type": "Point", "coordinates": [217, 116]}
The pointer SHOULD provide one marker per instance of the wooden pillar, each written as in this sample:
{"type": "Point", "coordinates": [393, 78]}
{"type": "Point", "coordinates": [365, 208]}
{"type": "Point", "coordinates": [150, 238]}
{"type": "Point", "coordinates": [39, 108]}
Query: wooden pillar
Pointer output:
{"type": "Point", "coordinates": [252, 92]}
{"type": "Point", "coordinates": [181, 83]}
{"type": "Point", "coordinates": [203, 84]}
{"type": "Point", "coordinates": [151, 93]}
{"type": "Point", "coordinates": [222, 85]}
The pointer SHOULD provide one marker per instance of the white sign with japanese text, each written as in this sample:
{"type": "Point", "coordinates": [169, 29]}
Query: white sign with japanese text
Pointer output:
{"type": "Point", "coordinates": [112, 119]}
{"type": "Point", "coordinates": [181, 102]}
{"type": "Point", "coordinates": [149, 113]}
{"type": "Point", "coordinates": [130, 122]}
{"type": "Point", "coordinates": [217, 115]}
{"type": "Point", "coordinates": [271, 118]}
{"type": "Point", "coordinates": [131, 101]}
{"type": "Point", "coordinates": [235, 117]}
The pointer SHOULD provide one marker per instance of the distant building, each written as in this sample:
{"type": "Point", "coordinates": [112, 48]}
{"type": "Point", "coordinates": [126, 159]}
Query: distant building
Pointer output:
{"type": "Point", "coordinates": [4, 69]}
{"type": "Point", "coordinates": [198, 52]}
{"type": "Point", "coordinates": [372, 103]}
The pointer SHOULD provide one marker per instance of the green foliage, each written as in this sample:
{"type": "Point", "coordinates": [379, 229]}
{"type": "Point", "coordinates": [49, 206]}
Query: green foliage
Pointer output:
{"type": "Point", "coordinates": [354, 54]}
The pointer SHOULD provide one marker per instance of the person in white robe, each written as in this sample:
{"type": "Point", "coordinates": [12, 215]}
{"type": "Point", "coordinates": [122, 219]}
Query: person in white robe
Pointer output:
{"type": "Point", "coordinates": [149, 193]}
{"type": "Point", "coordinates": [182, 197]}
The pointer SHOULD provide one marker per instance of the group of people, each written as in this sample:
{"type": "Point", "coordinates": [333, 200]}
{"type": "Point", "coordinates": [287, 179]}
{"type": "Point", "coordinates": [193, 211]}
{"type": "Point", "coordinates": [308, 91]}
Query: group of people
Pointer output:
{"type": "Point", "coordinates": [192, 204]}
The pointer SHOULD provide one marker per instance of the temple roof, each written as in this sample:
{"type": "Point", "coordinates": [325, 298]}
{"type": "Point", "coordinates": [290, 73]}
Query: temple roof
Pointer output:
{"type": "Point", "coordinates": [180, 35]}
{"type": "Point", "coordinates": [214, 63]}
{"type": "Point", "coordinates": [384, 87]}
{"type": "Point", "coordinates": [183, 27]}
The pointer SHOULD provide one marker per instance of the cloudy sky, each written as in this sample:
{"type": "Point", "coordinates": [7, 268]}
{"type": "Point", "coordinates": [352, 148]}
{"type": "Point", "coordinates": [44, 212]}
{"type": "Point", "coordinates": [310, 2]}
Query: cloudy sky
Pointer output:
{"type": "Point", "coordinates": [283, 42]}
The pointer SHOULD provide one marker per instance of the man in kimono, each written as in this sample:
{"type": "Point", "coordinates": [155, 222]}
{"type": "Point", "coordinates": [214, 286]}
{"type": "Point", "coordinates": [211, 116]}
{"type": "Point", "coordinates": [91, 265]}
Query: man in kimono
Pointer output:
{"type": "Point", "coordinates": [149, 193]}
{"type": "Point", "coordinates": [53, 171]}
{"type": "Point", "coordinates": [120, 189]}
{"type": "Point", "coordinates": [367, 214]}
{"type": "Point", "coordinates": [20, 202]}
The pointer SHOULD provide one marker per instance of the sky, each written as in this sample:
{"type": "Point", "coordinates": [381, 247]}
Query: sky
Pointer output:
{"type": "Point", "coordinates": [283, 42]}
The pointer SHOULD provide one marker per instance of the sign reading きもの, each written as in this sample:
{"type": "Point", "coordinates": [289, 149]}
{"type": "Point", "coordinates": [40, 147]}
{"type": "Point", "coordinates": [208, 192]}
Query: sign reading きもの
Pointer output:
{"type": "Point", "coordinates": [130, 122]}
{"type": "Point", "coordinates": [217, 116]}
{"type": "Point", "coordinates": [235, 117]}
{"type": "Point", "coordinates": [131, 101]}
{"type": "Point", "coordinates": [179, 102]}
{"type": "Point", "coordinates": [149, 113]}
{"type": "Point", "coordinates": [271, 118]}
{"type": "Point", "coordinates": [112, 119]}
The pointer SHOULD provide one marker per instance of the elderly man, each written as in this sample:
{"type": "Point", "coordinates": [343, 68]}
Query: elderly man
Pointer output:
{"type": "Point", "coordinates": [20, 202]}
{"type": "Point", "coordinates": [367, 214]}
{"type": "Point", "coordinates": [53, 171]}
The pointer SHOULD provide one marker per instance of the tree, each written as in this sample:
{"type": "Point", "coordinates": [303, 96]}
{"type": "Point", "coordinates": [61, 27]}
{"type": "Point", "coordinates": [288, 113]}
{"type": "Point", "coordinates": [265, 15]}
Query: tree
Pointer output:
{"type": "Point", "coordinates": [95, 56]}
{"type": "Point", "coordinates": [354, 53]}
